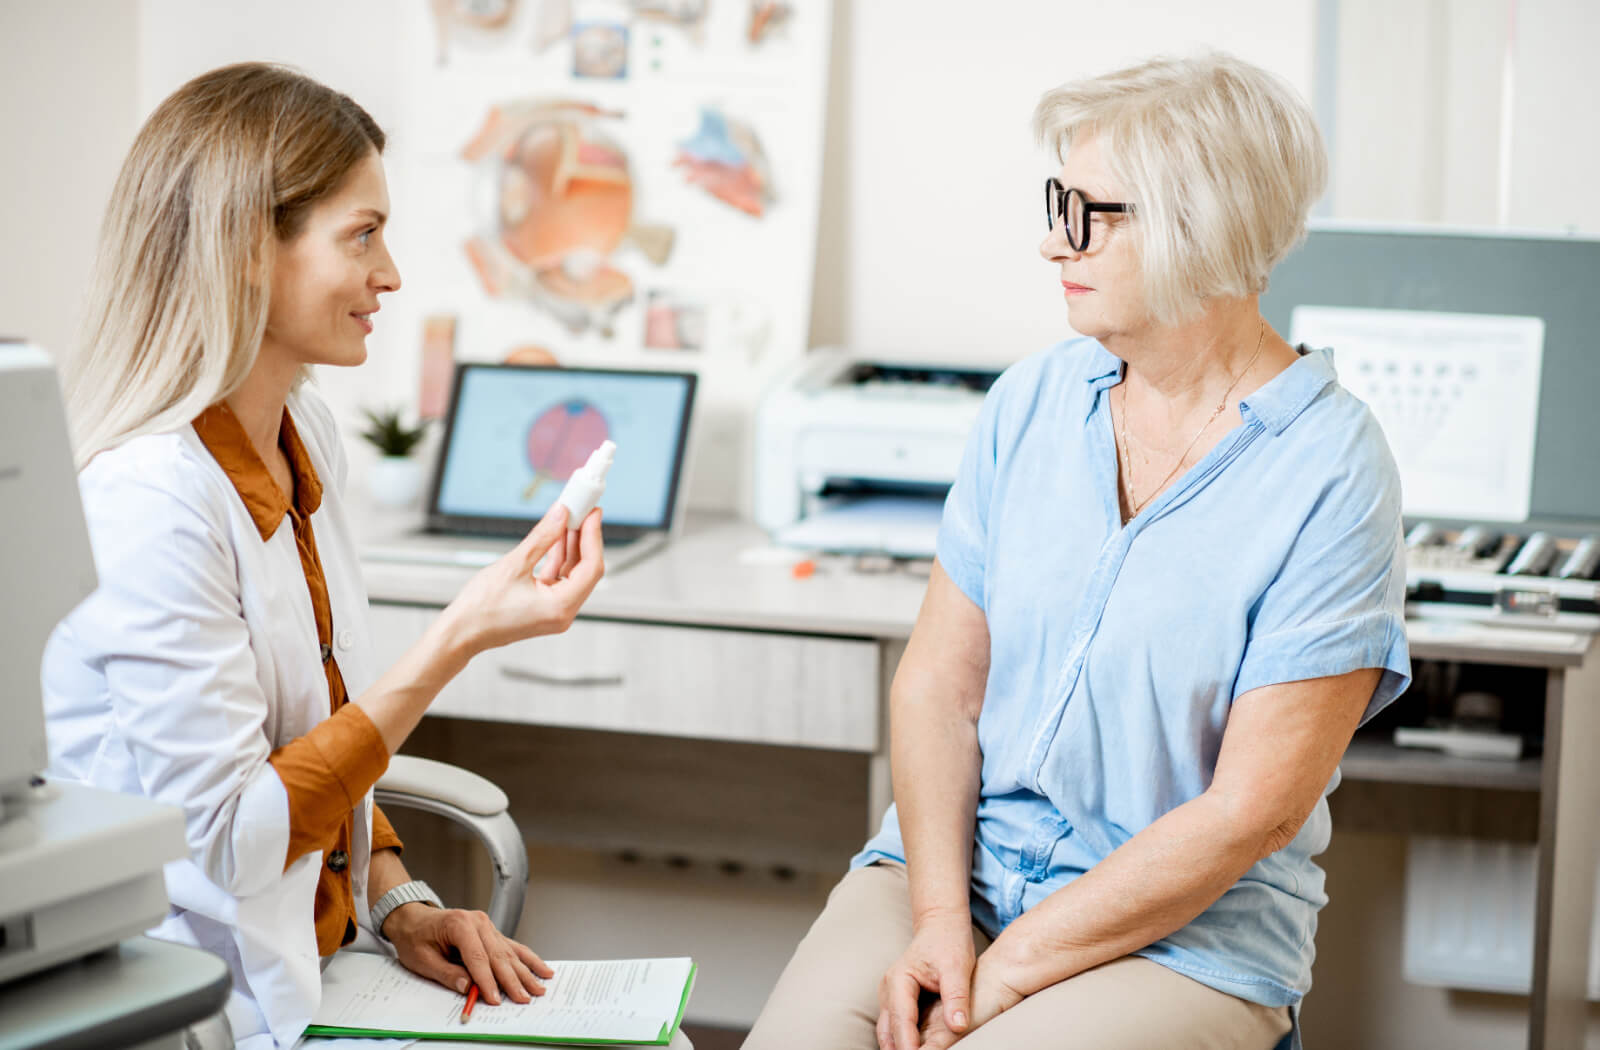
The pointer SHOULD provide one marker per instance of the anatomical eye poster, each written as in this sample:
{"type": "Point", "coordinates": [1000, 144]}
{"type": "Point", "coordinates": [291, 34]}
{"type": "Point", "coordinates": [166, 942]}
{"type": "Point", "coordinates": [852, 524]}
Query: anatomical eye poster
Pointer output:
{"type": "Point", "coordinates": [627, 183]}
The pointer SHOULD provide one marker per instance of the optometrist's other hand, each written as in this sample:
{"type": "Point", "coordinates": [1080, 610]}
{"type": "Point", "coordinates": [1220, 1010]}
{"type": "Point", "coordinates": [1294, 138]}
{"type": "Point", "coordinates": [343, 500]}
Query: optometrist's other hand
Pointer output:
{"type": "Point", "coordinates": [991, 997]}
{"type": "Point", "coordinates": [460, 948]}
{"type": "Point", "coordinates": [939, 959]}
{"type": "Point", "coordinates": [508, 601]}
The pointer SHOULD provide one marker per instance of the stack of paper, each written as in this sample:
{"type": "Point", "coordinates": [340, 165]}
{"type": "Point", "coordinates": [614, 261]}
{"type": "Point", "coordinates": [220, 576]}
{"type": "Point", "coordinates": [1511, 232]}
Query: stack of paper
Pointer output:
{"type": "Point", "coordinates": [587, 1003]}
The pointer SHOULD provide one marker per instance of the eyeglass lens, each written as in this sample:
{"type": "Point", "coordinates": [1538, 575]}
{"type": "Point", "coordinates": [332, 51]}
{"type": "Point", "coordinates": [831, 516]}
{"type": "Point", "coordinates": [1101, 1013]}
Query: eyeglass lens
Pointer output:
{"type": "Point", "coordinates": [1059, 201]}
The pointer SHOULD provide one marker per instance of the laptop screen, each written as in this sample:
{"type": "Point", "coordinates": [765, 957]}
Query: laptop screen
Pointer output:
{"type": "Point", "coordinates": [515, 434]}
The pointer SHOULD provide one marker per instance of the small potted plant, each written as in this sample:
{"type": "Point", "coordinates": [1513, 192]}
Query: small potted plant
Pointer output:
{"type": "Point", "coordinates": [395, 479]}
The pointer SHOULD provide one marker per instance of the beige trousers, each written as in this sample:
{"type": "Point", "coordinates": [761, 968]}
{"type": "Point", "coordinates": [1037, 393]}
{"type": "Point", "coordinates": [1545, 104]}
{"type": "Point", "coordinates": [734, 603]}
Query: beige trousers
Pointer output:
{"type": "Point", "coordinates": [827, 998]}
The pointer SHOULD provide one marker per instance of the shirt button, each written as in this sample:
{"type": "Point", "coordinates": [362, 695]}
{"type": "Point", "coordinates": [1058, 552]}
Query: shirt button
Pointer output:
{"type": "Point", "coordinates": [338, 860]}
{"type": "Point", "coordinates": [346, 639]}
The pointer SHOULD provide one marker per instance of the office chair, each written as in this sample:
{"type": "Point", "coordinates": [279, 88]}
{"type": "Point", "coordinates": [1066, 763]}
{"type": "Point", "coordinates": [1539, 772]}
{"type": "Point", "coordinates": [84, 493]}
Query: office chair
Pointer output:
{"type": "Point", "coordinates": [477, 805]}
{"type": "Point", "coordinates": [453, 793]}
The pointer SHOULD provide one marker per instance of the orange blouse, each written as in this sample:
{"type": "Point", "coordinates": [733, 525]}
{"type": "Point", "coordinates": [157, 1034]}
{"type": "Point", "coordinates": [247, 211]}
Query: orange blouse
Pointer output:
{"type": "Point", "coordinates": [327, 772]}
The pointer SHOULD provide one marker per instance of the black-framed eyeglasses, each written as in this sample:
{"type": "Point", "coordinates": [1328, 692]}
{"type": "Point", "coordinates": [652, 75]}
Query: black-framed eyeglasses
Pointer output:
{"type": "Point", "coordinates": [1070, 203]}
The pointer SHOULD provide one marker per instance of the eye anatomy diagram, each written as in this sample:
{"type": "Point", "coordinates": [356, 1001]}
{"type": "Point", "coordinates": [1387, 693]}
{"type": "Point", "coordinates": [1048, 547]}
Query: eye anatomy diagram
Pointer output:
{"type": "Point", "coordinates": [560, 440]}
{"type": "Point", "coordinates": [725, 158]}
{"type": "Point", "coordinates": [558, 202]}
{"type": "Point", "coordinates": [610, 183]}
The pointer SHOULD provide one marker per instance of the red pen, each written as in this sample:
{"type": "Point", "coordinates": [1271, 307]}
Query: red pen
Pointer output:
{"type": "Point", "coordinates": [472, 997]}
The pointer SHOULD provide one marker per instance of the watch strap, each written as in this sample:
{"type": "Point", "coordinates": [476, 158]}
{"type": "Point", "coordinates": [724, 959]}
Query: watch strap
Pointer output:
{"type": "Point", "coordinates": [414, 892]}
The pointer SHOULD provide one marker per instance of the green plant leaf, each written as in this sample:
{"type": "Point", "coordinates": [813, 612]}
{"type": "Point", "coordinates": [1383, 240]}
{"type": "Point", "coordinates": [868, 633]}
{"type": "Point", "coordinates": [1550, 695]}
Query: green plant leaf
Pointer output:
{"type": "Point", "coordinates": [388, 433]}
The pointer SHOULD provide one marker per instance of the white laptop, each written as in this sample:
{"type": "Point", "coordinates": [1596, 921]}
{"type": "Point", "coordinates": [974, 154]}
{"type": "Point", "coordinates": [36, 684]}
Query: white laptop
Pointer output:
{"type": "Point", "coordinates": [514, 435]}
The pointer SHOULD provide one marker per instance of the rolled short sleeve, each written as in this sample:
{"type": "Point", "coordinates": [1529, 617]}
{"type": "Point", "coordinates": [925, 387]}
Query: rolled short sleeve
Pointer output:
{"type": "Point", "coordinates": [326, 773]}
{"type": "Point", "coordinates": [166, 626]}
{"type": "Point", "coordinates": [964, 528]}
{"type": "Point", "coordinates": [383, 834]}
{"type": "Point", "coordinates": [1338, 602]}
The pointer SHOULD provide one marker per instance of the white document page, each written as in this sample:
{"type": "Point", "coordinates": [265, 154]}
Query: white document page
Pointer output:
{"type": "Point", "coordinates": [1457, 396]}
{"type": "Point", "coordinates": [904, 526]}
{"type": "Point", "coordinates": [626, 999]}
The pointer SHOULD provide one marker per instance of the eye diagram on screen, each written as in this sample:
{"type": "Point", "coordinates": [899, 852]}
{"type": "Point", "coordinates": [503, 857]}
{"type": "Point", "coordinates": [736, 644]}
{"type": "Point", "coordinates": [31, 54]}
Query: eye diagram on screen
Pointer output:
{"type": "Point", "coordinates": [517, 435]}
{"type": "Point", "coordinates": [560, 440]}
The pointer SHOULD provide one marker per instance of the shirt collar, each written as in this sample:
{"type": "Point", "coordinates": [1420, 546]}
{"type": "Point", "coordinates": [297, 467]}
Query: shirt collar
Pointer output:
{"type": "Point", "coordinates": [1105, 368]}
{"type": "Point", "coordinates": [224, 437]}
{"type": "Point", "coordinates": [1277, 404]}
{"type": "Point", "coordinates": [1290, 392]}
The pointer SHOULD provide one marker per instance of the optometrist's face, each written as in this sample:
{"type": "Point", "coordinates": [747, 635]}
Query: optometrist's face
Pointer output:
{"type": "Point", "coordinates": [1102, 284]}
{"type": "Point", "coordinates": [327, 278]}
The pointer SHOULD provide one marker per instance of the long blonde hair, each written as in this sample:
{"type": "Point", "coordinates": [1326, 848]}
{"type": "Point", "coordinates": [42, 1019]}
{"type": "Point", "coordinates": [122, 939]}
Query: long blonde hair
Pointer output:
{"type": "Point", "coordinates": [227, 166]}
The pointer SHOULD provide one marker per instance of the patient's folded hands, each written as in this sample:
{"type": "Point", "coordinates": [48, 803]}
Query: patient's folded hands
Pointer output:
{"type": "Point", "coordinates": [990, 997]}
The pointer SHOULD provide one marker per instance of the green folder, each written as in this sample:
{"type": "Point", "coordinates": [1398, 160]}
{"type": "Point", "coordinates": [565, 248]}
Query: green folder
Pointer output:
{"type": "Point", "coordinates": [464, 1033]}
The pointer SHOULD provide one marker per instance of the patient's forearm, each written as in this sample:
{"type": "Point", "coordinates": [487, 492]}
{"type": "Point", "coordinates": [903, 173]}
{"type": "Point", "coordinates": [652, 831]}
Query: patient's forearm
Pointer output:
{"type": "Point", "coordinates": [1150, 887]}
{"type": "Point", "coordinates": [936, 764]}
{"type": "Point", "coordinates": [934, 706]}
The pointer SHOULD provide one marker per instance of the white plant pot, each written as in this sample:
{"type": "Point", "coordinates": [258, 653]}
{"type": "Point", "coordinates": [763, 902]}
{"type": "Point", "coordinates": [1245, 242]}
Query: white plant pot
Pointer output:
{"type": "Point", "coordinates": [395, 481]}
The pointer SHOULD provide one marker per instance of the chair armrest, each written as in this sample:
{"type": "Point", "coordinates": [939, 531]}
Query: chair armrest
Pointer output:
{"type": "Point", "coordinates": [477, 805]}
{"type": "Point", "coordinates": [442, 782]}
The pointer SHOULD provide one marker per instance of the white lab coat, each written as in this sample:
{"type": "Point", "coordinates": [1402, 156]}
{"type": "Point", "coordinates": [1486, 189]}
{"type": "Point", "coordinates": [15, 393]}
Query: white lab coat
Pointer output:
{"type": "Point", "coordinates": [194, 660]}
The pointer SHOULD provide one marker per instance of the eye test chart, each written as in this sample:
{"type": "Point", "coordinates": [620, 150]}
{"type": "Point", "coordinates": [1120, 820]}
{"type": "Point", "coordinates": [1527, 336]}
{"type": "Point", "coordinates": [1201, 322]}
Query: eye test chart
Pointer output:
{"type": "Point", "coordinates": [1457, 396]}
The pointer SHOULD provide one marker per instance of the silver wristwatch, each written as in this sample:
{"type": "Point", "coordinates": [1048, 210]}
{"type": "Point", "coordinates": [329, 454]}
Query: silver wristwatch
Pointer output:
{"type": "Point", "coordinates": [414, 892]}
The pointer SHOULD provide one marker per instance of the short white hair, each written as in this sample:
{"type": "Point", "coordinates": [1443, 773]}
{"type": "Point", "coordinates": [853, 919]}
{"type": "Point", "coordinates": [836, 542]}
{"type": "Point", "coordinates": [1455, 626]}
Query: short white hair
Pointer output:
{"type": "Point", "coordinates": [1221, 160]}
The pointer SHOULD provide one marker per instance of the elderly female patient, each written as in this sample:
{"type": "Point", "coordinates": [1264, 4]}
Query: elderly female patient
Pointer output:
{"type": "Point", "coordinates": [1168, 589]}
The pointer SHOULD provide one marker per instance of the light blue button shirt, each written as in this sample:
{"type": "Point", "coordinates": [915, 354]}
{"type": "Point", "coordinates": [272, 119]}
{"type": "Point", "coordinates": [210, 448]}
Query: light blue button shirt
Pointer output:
{"type": "Point", "coordinates": [1116, 651]}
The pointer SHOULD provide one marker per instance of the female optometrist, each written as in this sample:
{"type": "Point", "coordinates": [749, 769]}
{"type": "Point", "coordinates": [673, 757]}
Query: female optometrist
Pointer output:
{"type": "Point", "coordinates": [224, 664]}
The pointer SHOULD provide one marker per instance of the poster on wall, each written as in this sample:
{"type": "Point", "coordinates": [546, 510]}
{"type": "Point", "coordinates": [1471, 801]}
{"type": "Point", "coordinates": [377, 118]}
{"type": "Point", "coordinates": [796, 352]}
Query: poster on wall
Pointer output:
{"type": "Point", "coordinates": [629, 183]}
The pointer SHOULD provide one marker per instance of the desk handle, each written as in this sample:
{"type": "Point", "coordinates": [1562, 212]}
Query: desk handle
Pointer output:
{"type": "Point", "coordinates": [580, 680]}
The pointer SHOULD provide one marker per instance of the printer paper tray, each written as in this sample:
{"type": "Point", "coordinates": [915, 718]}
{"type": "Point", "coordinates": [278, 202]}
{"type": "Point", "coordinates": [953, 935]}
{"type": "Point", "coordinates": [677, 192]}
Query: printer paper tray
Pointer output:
{"type": "Point", "coordinates": [906, 527]}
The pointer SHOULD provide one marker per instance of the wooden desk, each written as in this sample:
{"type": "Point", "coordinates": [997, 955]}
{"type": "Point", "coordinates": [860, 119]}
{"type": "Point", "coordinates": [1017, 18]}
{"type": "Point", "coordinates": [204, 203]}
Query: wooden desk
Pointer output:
{"type": "Point", "coordinates": [711, 649]}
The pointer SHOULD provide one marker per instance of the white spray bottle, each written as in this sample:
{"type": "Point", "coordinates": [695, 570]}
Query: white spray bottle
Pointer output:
{"type": "Point", "coordinates": [587, 483]}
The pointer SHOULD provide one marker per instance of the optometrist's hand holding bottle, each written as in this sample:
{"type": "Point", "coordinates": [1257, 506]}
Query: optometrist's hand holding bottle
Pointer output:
{"type": "Point", "coordinates": [537, 588]}
{"type": "Point", "coordinates": [587, 484]}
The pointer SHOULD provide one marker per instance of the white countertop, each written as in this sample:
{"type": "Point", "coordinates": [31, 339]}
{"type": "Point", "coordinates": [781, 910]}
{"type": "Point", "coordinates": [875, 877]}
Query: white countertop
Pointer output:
{"type": "Point", "coordinates": [718, 572]}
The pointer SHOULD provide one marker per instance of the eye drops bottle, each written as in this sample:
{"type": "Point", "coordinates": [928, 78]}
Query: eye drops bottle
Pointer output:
{"type": "Point", "coordinates": [587, 483]}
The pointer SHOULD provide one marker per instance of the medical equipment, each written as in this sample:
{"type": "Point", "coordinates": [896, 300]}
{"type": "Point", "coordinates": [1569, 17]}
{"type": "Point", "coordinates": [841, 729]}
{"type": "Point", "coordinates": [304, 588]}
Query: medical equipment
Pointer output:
{"type": "Point", "coordinates": [857, 455]}
{"type": "Point", "coordinates": [1522, 560]}
{"type": "Point", "coordinates": [80, 868]}
{"type": "Point", "coordinates": [1526, 578]}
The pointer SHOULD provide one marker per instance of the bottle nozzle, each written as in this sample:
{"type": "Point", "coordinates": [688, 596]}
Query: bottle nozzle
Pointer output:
{"type": "Point", "coordinates": [587, 483]}
{"type": "Point", "coordinates": [600, 459]}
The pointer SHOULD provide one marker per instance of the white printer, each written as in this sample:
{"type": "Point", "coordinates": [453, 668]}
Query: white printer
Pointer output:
{"type": "Point", "coordinates": [855, 455]}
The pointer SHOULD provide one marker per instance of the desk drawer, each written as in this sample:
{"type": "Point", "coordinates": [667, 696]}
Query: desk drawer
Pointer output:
{"type": "Point", "coordinates": [750, 686]}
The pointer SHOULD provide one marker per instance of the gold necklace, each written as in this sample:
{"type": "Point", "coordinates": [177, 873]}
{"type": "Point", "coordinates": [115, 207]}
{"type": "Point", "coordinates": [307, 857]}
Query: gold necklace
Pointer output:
{"type": "Point", "coordinates": [1135, 508]}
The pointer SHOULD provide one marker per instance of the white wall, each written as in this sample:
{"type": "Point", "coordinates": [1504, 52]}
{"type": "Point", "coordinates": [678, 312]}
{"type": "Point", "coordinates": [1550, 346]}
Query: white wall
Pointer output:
{"type": "Point", "coordinates": [1427, 114]}
{"type": "Point", "coordinates": [66, 74]}
{"type": "Point", "coordinates": [934, 182]}
{"type": "Point", "coordinates": [1555, 156]}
